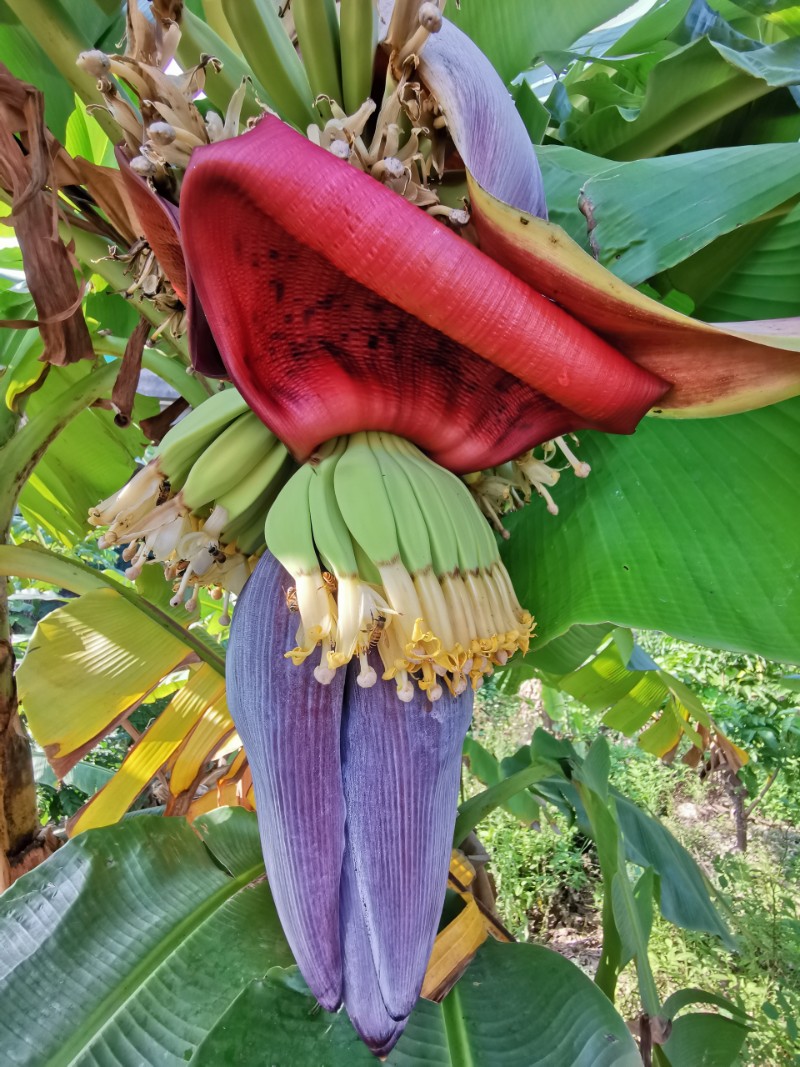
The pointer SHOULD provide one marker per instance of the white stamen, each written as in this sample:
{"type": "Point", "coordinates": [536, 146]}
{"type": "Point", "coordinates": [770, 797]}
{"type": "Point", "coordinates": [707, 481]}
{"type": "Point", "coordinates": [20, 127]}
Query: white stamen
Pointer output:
{"type": "Point", "coordinates": [582, 470]}
{"type": "Point", "coordinates": [177, 600]}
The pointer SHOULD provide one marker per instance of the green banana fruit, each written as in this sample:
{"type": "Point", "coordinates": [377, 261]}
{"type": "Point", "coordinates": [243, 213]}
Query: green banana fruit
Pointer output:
{"type": "Point", "coordinates": [189, 438]}
{"type": "Point", "coordinates": [289, 538]}
{"type": "Point", "coordinates": [234, 453]}
{"type": "Point", "coordinates": [318, 36]}
{"type": "Point", "coordinates": [358, 38]}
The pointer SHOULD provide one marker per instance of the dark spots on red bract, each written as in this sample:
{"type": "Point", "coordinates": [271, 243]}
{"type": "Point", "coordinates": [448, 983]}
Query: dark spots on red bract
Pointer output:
{"type": "Point", "coordinates": [317, 354]}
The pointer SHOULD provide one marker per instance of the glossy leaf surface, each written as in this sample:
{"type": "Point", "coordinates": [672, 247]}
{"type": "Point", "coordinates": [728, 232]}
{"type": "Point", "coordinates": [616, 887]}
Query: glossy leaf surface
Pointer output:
{"type": "Point", "coordinates": [123, 920]}
{"type": "Point", "coordinates": [689, 527]}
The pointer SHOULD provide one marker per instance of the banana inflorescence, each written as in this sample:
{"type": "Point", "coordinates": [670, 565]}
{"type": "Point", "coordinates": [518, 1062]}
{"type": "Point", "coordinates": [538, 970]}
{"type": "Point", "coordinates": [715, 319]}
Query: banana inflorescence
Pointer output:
{"type": "Point", "coordinates": [389, 550]}
{"type": "Point", "coordinates": [198, 506]}
{"type": "Point", "coordinates": [509, 487]}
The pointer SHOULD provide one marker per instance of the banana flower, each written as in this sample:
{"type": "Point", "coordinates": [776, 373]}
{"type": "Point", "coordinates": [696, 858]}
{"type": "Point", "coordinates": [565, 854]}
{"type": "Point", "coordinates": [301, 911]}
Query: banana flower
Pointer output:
{"type": "Point", "coordinates": [337, 306]}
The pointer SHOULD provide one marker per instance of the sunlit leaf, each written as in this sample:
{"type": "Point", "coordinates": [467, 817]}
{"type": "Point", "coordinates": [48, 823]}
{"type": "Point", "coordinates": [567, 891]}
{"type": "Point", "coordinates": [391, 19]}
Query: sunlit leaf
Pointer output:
{"type": "Point", "coordinates": [87, 665]}
{"type": "Point", "coordinates": [204, 690]}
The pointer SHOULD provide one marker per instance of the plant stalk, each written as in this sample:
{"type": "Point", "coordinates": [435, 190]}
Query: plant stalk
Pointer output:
{"type": "Point", "coordinates": [60, 39]}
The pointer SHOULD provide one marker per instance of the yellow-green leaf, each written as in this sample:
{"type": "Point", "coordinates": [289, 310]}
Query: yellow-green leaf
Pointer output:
{"type": "Point", "coordinates": [202, 692]}
{"type": "Point", "coordinates": [87, 665]}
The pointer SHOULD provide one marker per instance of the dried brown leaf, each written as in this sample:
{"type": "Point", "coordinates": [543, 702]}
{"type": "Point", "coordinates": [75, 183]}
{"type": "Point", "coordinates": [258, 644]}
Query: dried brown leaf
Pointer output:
{"type": "Point", "coordinates": [27, 154]}
{"type": "Point", "coordinates": [124, 391]}
{"type": "Point", "coordinates": [156, 427]}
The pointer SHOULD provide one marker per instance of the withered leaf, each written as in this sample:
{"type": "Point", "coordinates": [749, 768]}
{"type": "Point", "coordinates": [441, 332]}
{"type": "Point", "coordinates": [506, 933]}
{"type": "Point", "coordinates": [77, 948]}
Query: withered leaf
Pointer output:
{"type": "Point", "coordinates": [27, 153]}
{"type": "Point", "coordinates": [124, 391]}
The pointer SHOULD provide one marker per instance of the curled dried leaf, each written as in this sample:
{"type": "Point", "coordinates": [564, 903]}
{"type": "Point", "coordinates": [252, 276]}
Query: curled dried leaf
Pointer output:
{"type": "Point", "coordinates": [27, 153]}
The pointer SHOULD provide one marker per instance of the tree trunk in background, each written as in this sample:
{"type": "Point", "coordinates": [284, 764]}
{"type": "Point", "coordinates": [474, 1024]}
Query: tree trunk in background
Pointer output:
{"type": "Point", "coordinates": [19, 822]}
{"type": "Point", "coordinates": [737, 793]}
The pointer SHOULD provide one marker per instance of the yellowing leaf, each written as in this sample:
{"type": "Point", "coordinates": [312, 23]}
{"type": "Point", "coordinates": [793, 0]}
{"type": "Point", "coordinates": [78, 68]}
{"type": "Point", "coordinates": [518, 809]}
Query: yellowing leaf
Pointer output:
{"type": "Point", "coordinates": [220, 796]}
{"type": "Point", "coordinates": [453, 948]}
{"type": "Point", "coordinates": [203, 690]}
{"type": "Point", "coordinates": [87, 666]}
{"type": "Point", "coordinates": [211, 728]}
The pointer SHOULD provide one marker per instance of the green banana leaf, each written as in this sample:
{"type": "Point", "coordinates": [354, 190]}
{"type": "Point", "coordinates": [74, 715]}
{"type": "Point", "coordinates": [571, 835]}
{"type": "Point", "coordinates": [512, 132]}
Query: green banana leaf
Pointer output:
{"type": "Point", "coordinates": [763, 286]}
{"type": "Point", "coordinates": [686, 91]}
{"type": "Point", "coordinates": [512, 32]}
{"type": "Point", "coordinates": [733, 186]}
{"type": "Point", "coordinates": [160, 945]}
{"type": "Point", "coordinates": [687, 526]}
{"type": "Point", "coordinates": [70, 483]}
{"type": "Point", "coordinates": [518, 1005]}
{"type": "Point", "coordinates": [683, 889]}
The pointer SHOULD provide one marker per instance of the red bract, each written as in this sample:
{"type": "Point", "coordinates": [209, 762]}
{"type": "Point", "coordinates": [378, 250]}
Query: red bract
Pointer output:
{"type": "Point", "coordinates": [161, 224]}
{"type": "Point", "coordinates": [338, 306]}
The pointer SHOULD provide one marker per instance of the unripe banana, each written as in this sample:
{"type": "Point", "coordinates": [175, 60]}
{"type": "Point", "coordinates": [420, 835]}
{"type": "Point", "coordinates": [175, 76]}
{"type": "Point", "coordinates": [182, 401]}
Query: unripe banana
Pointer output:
{"type": "Point", "coordinates": [289, 538]}
{"type": "Point", "coordinates": [234, 505]}
{"type": "Point", "coordinates": [364, 504]}
{"type": "Point", "coordinates": [367, 511]}
{"type": "Point", "coordinates": [224, 463]}
{"type": "Point", "coordinates": [415, 550]}
{"type": "Point", "coordinates": [358, 36]}
{"type": "Point", "coordinates": [186, 440]}
{"type": "Point", "coordinates": [331, 535]}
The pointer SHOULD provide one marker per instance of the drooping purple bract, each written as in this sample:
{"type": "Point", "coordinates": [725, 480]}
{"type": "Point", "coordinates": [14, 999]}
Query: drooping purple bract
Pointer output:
{"type": "Point", "coordinates": [356, 794]}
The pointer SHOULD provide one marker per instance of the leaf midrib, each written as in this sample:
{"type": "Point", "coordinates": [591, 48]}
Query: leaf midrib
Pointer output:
{"type": "Point", "coordinates": [129, 984]}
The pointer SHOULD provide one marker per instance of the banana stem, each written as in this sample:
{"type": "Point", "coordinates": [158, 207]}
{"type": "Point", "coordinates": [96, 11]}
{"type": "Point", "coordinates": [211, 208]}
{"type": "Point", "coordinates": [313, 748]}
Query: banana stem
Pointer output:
{"type": "Point", "coordinates": [358, 34]}
{"type": "Point", "coordinates": [197, 38]}
{"type": "Point", "coordinates": [170, 370]}
{"type": "Point", "coordinates": [274, 62]}
{"type": "Point", "coordinates": [215, 18]}
{"type": "Point", "coordinates": [61, 40]}
{"type": "Point", "coordinates": [93, 251]}
{"type": "Point", "coordinates": [318, 36]}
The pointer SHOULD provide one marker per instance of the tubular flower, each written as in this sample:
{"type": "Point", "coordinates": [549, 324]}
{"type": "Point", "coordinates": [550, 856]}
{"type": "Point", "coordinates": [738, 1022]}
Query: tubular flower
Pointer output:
{"type": "Point", "coordinates": [198, 506]}
{"type": "Point", "coordinates": [412, 569]}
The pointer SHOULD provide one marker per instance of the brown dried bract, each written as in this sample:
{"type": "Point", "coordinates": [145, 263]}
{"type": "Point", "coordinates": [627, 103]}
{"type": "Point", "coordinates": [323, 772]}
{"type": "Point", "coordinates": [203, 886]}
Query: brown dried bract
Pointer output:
{"type": "Point", "coordinates": [124, 391]}
{"type": "Point", "coordinates": [27, 155]}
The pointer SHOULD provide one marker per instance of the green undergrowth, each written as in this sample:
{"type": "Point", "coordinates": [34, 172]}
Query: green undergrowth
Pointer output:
{"type": "Point", "coordinates": [547, 881]}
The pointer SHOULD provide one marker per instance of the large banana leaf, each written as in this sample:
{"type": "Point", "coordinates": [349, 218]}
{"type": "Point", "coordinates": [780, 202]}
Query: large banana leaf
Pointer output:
{"type": "Point", "coordinates": [88, 664]}
{"type": "Point", "coordinates": [733, 186]}
{"type": "Point", "coordinates": [688, 527]}
{"type": "Point", "coordinates": [512, 32]}
{"type": "Point", "coordinates": [122, 928]}
{"type": "Point", "coordinates": [162, 947]}
{"type": "Point", "coordinates": [764, 286]}
{"type": "Point", "coordinates": [688, 90]}
{"type": "Point", "coordinates": [94, 661]}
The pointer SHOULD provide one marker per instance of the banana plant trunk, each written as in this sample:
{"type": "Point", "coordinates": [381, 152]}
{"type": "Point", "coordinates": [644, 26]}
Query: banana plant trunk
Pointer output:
{"type": "Point", "coordinates": [19, 822]}
{"type": "Point", "coordinates": [22, 843]}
